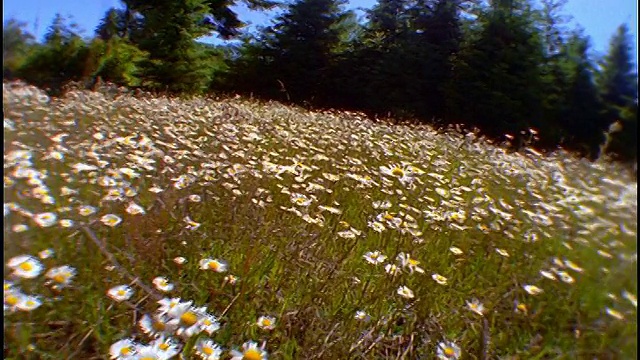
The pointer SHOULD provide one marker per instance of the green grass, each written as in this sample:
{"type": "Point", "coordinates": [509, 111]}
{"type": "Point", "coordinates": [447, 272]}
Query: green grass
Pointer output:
{"type": "Point", "coordinates": [300, 264]}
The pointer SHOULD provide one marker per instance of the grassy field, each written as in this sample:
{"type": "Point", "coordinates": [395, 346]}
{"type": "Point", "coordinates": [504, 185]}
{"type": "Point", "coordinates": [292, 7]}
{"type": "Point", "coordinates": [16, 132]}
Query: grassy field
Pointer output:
{"type": "Point", "coordinates": [155, 228]}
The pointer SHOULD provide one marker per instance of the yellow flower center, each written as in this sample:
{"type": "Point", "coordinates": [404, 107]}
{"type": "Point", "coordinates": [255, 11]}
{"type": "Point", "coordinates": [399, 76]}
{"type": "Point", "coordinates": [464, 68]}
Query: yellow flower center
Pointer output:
{"type": "Point", "coordinates": [397, 171]}
{"type": "Point", "coordinates": [207, 350]}
{"type": "Point", "coordinates": [148, 358]}
{"type": "Point", "coordinates": [30, 303]}
{"type": "Point", "coordinates": [59, 278]}
{"type": "Point", "coordinates": [252, 354]}
{"type": "Point", "coordinates": [388, 217]}
{"type": "Point", "coordinates": [158, 325]}
{"type": "Point", "coordinates": [266, 322]}
{"type": "Point", "coordinates": [26, 266]}
{"type": "Point", "coordinates": [11, 300]}
{"type": "Point", "coordinates": [125, 351]}
{"type": "Point", "coordinates": [449, 352]}
{"type": "Point", "coordinates": [163, 346]}
{"type": "Point", "coordinates": [413, 262]}
{"type": "Point", "coordinates": [121, 292]}
{"type": "Point", "coordinates": [522, 307]}
{"type": "Point", "coordinates": [213, 265]}
{"type": "Point", "coordinates": [188, 318]}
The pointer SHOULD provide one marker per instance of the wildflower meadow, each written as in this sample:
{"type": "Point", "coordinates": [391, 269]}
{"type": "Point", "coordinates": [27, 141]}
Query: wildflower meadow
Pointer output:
{"type": "Point", "coordinates": [142, 227]}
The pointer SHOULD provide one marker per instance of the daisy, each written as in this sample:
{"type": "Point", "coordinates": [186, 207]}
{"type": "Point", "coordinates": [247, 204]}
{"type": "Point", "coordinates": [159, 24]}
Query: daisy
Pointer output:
{"type": "Point", "coordinates": [521, 307]}
{"type": "Point", "coordinates": [45, 254]}
{"type": "Point", "coordinates": [394, 170]}
{"type": "Point", "coordinates": [206, 349]}
{"type": "Point", "coordinates": [455, 250]}
{"type": "Point", "coordinates": [28, 303]}
{"type": "Point", "coordinates": [111, 220]}
{"type": "Point", "coordinates": [123, 349]}
{"type": "Point", "coordinates": [250, 351]}
{"type": "Point", "coordinates": [548, 275]}
{"type": "Point", "coordinates": [502, 252]}
{"type": "Point", "coordinates": [134, 209]}
{"type": "Point", "coordinates": [448, 350]}
{"type": "Point", "coordinates": [573, 266]}
{"type": "Point", "coordinates": [66, 223]}
{"type": "Point", "coordinates": [475, 306]}
{"type": "Point", "coordinates": [374, 257]}
{"type": "Point", "coordinates": [439, 279]}
{"type": "Point", "coordinates": [392, 269]}
{"type": "Point", "coordinates": [195, 198]}
{"type": "Point", "coordinates": [149, 352]}
{"type": "Point", "coordinates": [12, 298]}
{"type": "Point", "coordinates": [61, 276]}
{"type": "Point", "coordinates": [162, 283]}
{"type": "Point", "coordinates": [86, 210]}
{"type": "Point", "coordinates": [120, 293]}
{"type": "Point", "coordinates": [266, 322]}
{"type": "Point", "coordinates": [179, 260]}
{"type": "Point", "coordinates": [565, 277]}
{"type": "Point", "coordinates": [191, 225]}
{"type": "Point", "coordinates": [167, 347]}
{"type": "Point", "coordinates": [156, 325]}
{"type": "Point", "coordinates": [362, 316]}
{"type": "Point", "coordinates": [18, 228]}
{"type": "Point", "coordinates": [629, 296]}
{"type": "Point", "coordinates": [25, 266]}
{"type": "Point", "coordinates": [209, 323]}
{"type": "Point", "coordinates": [405, 292]}
{"type": "Point", "coordinates": [532, 289]}
{"type": "Point", "coordinates": [213, 264]}
{"type": "Point", "coordinates": [186, 318]}
{"type": "Point", "coordinates": [376, 226]}
{"type": "Point", "coordinates": [614, 314]}
{"type": "Point", "coordinates": [408, 262]}
{"type": "Point", "coordinates": [45, 219]}
{"type": "Point", "coordinates": [167, 304]}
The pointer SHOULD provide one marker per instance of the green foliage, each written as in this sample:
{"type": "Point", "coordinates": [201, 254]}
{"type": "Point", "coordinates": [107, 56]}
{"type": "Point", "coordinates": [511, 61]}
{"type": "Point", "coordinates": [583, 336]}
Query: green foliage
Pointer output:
{"type": "Point", "coordinates": [119, 61]}
{"type": "Point", "coordinates": [16, 46]}
{"type": "Point", "coordinates": [497, 80]}
{"type": "Point", "coordinates": [60, 59]}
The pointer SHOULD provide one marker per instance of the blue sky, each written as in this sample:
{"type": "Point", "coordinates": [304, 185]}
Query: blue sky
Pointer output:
{"type": "Point", "coordinates": [599, 18]}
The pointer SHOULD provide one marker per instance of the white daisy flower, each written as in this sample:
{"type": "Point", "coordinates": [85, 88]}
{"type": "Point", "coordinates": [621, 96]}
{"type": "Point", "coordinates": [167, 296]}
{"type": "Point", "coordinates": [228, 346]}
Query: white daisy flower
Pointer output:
{"type": "Point", "coordinates": [405, 292]}
{"type": "Point", "coordinates": [250, 350]}
{"type": "Point", "coordinates": [25, 266]}
{"type": "Point", "coordinates": [120, 293]}
{"type": "Point", "coordinates": [266, 322]}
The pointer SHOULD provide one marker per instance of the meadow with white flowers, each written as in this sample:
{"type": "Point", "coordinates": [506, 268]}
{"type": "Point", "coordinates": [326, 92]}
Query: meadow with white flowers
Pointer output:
{"type": "Point", "coordinates": [163, 228]}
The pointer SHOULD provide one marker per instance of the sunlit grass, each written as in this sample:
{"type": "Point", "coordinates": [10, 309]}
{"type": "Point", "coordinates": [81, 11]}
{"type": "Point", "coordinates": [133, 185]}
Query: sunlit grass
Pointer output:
{"type": "Point", "coordinates": [152, 227]}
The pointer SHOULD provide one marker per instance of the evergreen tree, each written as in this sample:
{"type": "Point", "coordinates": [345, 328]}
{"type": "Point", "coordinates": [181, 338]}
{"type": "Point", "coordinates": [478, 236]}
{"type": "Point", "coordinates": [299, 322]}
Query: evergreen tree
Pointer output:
{"type": "Point", "coordinates": [582, 118]}
{"type": "Point", "coordinates": [16, 45]}
{"type": "Point", "coordinates": [497, 79]}
{"type": "Point", "coordinates": [618, 85]}
{"type": "Point", "coordinates": [301, 47]}
{"type": "Point", "coordinates": [618, 81]}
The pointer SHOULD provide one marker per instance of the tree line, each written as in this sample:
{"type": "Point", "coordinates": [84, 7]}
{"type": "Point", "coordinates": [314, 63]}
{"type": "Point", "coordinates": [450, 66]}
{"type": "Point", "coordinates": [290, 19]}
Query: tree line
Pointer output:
{"type": "Point", "coordinates": [501, 66]}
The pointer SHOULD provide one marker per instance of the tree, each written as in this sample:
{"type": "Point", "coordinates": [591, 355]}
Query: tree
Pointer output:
{"type": "Point", "coordinates": [16, 45]}
{"type": "Point", "coordinates": [618, 85]}
{"type": "Point", "coordinates": [301, 47]}
{"type": "Point", "coordinates": [582, 116]}
{"type": "Point", "coordinates": [618, 81]}
{"type": "Point", "coordinates": [62, 57]}
{"type": "Point", "coordinates": [497, 82]}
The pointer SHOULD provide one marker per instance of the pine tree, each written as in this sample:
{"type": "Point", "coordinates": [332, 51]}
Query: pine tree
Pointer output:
{"type": "Point", "coordinates": [618, 85]}
{"type": "Point", "coordinates": [302, 45]}
{"type": "Point", "coordinates": [497, 79]}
